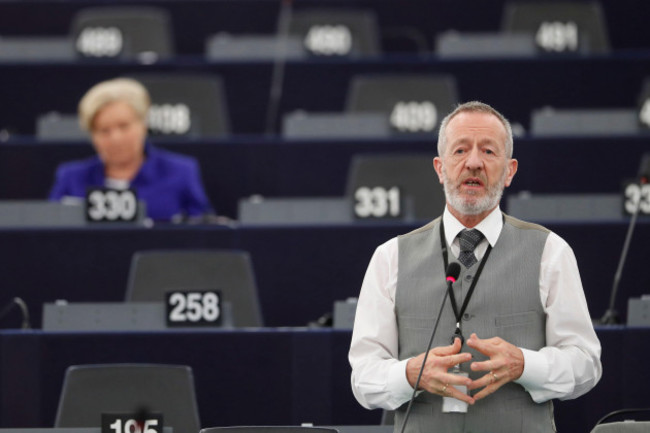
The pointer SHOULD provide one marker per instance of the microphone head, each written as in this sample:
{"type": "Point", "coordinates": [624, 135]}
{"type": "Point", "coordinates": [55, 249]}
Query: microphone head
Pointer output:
{"type": "Point", "coordinates": [644, 168]}
{"type": "Point", "coordinates": [453, 271]}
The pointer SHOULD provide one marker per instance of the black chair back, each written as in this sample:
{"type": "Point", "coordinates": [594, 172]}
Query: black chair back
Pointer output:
{"type": "Point", "coordinates": [153, 273]}
{"type": "Point", "coordinates": [91, 390]}
{"type": "Point", "coordinates": [123, 32]}
{"type": "Point", "coordinates": [412, 103]}
{"type": "Point", "coordinates": [560, 27]}
{"type": "Point", "coordinates": [186, 105]}
{"type": "Point", "coordinates": [336, 32]}
{"type": "Point", "coordinates": [381, 183]}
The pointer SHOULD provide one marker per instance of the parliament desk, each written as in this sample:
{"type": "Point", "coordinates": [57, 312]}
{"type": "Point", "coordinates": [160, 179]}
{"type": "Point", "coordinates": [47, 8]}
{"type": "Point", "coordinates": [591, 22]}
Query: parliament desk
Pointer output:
{"type": "Point", "coordinates": [415, 21]}
{"type": "Point", "coordinates": [300, 271]}
{"type": "Point", "coordinates": [514, 86]}
{"type": "Point", "coordinates": [268, 376]}
{"type": "Point", "coordinates": [272, 167]}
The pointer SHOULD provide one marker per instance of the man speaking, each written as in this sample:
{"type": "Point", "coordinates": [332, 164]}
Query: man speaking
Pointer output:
{"type": "Point", "coordinates": [514, 331]}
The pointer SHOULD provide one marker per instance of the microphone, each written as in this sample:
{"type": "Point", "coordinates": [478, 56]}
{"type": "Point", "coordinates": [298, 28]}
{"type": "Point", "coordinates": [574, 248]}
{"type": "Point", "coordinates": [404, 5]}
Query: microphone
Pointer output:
{"type": "Point", "coordinates": [141, 415]}
{"type": "Point", "coordinates": [644, 169]}
{"type": "Point", "coordinates": [452, 273]}
{"type": "Point", "coordinates": [611, 315]}
{"type": "Point", "coordinates": [23, 309]}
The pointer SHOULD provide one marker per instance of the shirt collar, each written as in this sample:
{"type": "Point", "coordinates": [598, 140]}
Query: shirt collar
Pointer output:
{"type": "Point", "coordinates": [490, 226]}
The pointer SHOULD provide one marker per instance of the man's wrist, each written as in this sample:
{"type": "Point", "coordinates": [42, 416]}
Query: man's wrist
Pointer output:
{"type": "Point", "coordinates": [535, 369]}
{"type": "Point", "coordinates": [398, 381]}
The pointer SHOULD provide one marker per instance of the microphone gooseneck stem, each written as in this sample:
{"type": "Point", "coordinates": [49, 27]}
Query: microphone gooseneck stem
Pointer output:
{"type": "Point", "coordinates": [611, 315]}
{"type": "Point", "coordinates": [424, 361]}
{"type": "Point", "coordinates": [277, 76]}
{"type": "Point", "coordinates": [25, 312]}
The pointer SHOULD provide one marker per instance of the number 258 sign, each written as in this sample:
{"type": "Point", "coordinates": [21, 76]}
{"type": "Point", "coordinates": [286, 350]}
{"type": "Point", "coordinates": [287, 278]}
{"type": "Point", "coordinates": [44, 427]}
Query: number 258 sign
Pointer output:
{"type": "Point", "coordinates": [193, 308]}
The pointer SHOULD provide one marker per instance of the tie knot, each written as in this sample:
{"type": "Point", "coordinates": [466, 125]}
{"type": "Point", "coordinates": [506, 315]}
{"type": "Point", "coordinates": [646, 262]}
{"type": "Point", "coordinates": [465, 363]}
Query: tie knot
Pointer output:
{"type": "Point", "coordinates": [469, 239]}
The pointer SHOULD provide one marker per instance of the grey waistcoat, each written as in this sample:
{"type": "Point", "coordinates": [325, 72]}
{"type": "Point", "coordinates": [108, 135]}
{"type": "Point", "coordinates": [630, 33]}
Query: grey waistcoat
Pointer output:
{"type": "Point", "coordinates": [505, 303]}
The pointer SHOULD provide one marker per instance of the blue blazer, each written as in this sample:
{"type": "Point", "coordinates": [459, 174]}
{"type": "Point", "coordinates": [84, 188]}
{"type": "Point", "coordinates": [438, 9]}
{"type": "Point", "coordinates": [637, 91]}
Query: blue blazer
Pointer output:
{"type": "Point", "coordinates": [169, 183]}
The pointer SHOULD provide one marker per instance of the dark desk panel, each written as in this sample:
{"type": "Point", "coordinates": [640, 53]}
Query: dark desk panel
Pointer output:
{"type": "Point", "coordinates": [268, 377]}
{"type": "Point", "coordinates": [300, 271]}
{"type": "Point", "coordinates": [624, 367]}
{"type": "Point", "coordinates": [242, 378]}
{"type": "Point", "coordinates": [515, 87]}
{"type": "Point", "coordinates": [85, 265]}
{"type": "Point", "coordinates": [275, 168]}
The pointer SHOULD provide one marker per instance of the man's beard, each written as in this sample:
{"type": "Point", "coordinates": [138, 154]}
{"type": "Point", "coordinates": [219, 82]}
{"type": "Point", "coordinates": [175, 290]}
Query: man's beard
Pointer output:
{"type": "Point", "coordinates": [472, 205]}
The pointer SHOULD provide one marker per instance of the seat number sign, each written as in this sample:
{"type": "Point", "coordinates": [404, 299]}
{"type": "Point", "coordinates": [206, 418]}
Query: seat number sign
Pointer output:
{"type": "Point", "coordinates": [633, 193]}
{"type": "Point", "coordinates": [193, 308]}
{"type": "Point", "coordinates": [109, 205]}
{"type": "Point", "coordinates": [132, 423]}
{"type": "Point", "coordinates": [558, 37]}
{"type": "Point", "coordinates": [377, 202]}
{"type": "Point", "coordinates": [100, 42]}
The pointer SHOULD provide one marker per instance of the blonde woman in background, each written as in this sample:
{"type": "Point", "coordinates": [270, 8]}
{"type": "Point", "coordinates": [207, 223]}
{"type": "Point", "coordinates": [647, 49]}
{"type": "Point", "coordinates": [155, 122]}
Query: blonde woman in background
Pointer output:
{"type": "Point", "coordinates": [114, 113]}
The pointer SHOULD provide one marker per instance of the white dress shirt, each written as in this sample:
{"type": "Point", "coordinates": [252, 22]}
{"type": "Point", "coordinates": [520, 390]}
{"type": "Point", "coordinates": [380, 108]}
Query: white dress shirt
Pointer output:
{"type": "Point", "coordinates": [567, 367]}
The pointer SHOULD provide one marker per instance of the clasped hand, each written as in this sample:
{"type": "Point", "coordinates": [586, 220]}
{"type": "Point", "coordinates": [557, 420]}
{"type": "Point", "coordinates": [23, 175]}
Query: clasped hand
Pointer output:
{"type": "Point", "coordinates": [505, 363]}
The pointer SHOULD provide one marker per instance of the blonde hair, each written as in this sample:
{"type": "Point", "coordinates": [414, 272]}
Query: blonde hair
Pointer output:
{"type": "Point", "coordinates": [474, 107]}
{"type": "Point", "coordinates": [118, 89]}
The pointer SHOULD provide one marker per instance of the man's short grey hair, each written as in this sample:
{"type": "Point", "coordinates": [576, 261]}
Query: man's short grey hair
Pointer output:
{"type": "Point", "coordinates": [115, 90]}
{"type": "Point", "coordinates": [474, 107]}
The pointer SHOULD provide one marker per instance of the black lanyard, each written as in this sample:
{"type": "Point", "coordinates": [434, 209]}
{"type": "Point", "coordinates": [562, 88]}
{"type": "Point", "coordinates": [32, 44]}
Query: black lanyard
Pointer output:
{"type": "Point", "coordinates": [459, 314]}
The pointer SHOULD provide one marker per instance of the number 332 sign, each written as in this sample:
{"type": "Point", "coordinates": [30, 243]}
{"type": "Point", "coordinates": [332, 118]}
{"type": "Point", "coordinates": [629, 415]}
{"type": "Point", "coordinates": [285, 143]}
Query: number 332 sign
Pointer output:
{"type": "Point", "coordinates": [633, 194]}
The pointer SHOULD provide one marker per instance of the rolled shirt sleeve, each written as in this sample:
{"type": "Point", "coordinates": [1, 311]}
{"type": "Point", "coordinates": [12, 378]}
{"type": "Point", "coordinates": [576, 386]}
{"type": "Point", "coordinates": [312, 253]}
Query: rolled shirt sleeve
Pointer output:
{"type": "Point", "coordinates": [378, 377]}
{"type": "Point", "coordinates": [569, 365]}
